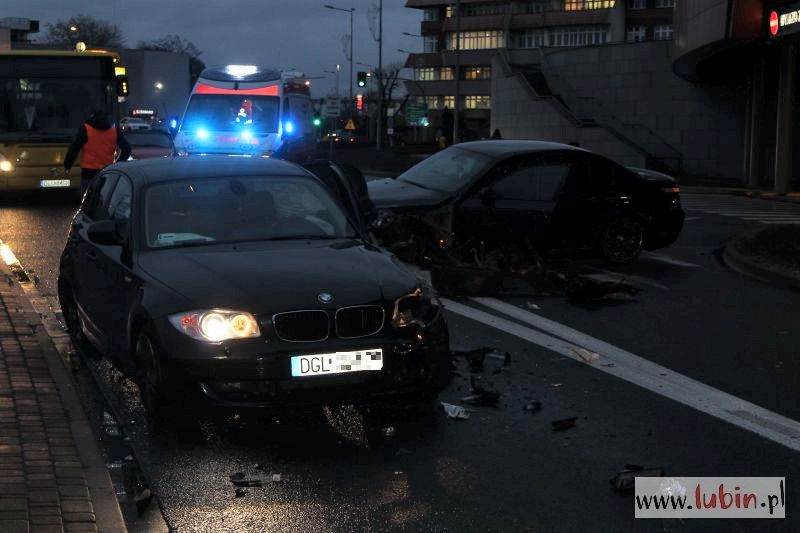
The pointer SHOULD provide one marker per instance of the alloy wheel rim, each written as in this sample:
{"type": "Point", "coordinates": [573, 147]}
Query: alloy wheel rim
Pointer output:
{"type": "Point", "coordinates": [624, 239]}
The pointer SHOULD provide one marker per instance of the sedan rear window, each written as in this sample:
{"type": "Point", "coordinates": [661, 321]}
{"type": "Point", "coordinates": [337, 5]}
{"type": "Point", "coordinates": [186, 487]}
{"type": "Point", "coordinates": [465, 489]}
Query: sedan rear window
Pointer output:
{"type": "Point", "coordinates": [447, 171]}
{"type": "Point", "coordinates": [237, 209]}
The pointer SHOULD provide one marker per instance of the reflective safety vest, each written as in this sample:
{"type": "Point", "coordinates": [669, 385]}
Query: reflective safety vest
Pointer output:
{"type": "Point", "coordinates": [98, 152]}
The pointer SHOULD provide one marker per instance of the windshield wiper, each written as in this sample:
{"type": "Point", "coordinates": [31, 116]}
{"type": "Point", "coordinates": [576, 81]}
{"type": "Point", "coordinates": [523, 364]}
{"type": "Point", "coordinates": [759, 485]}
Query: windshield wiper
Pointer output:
{"type": "Point", "coordinates": [188, 243]}
{"type": "Point", "coordinates": [304, 238]}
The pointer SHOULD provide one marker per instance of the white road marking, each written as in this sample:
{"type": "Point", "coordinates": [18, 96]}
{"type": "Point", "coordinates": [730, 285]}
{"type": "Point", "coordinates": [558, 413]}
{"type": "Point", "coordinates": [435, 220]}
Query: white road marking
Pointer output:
{"type": "Point", "coordinates": [618, 276]}
{"type": "Point", "coordinates": [636, 370]}
{"type": "Point", "coordinates": [670, 261]}
{"type": "Point", "coordinates": [689, 219]}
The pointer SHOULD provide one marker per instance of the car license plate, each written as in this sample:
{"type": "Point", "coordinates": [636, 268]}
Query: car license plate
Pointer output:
{"type": "Point", "coordinates": [54, 183]}
{"type": "Point", "coordinates": [337, 362]}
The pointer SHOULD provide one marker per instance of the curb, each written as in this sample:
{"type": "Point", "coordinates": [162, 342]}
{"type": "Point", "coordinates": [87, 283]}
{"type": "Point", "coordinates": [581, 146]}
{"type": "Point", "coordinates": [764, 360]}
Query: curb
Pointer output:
{"type": "Point", "coordinates": [744, 265]}
{"type": "Point", "coordinates": [108, 515]}
{"type": "Point", "coordinates": [792, 198]}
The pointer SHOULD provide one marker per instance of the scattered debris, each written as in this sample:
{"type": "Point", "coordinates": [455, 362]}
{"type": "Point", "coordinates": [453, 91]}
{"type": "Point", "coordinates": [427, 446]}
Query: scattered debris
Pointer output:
{"type": "Point", "coordinates": [532, 306]}
{"type": "Point", "coordinates": [564, 423]}
{"type": "Point", "coordinates": [586, 355]}
{"type": "Point", "coordinates": [240, 493]}
{"type": "Point", "coordinates": [626, 479]}
{"type": "Point", "coordinates": [596, 288]}
{"type": "Point", "coordinates": [403, 451]}
{"type": "Point", "coordinates": [276, 478]}
{"type": "Point", "coordinates": [455, 411]}
{"type": "Point", "coordinates": [246, 482]}
{"type": "Point", "coordinates": [482, 395]}
{"type": "Point", "coordinates": [474, 357]}
{"type": "Point", "coordinates": [534, 406]}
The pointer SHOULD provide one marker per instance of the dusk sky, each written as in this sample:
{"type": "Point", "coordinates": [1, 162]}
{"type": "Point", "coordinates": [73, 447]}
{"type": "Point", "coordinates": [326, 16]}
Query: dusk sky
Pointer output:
{"type": "Point", "coordinates": [287, 34]}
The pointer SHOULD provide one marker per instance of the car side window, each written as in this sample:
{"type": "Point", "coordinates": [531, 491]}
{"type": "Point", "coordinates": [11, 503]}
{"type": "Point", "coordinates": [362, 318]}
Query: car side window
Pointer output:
{"type": "Point", "coordinates": [99, 194]}
{"type": "Point", "coordinates": [517, 185]}
{"type": "Point", "coordinates": [535, 180]}
{"type": "Point", "coordinates": [119, 206]}
{"type": "Point", "coordinates": [605, 174]}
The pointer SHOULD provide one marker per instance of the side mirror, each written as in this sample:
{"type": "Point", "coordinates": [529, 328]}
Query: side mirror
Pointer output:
{"type": "Point", "coordinates": [105, 233]}
{"type": "Point", "coordinates": [488, 197]}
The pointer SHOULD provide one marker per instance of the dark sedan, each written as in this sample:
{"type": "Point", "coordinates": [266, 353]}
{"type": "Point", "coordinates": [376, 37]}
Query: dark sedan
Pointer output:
{"type": "Point", "coordinates": [531, 197]}
{"type": "Point", "coordinates": [150, 143]}
{"type": "Point", "coordinates": [245, 278]}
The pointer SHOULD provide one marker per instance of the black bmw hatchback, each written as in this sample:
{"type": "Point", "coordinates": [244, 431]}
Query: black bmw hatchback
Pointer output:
{"type": "Point", "coordinates": [246, 279]}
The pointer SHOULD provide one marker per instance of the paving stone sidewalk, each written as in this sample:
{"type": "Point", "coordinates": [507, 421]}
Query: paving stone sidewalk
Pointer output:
{"type": "Point", "coordinates": [52, 475]}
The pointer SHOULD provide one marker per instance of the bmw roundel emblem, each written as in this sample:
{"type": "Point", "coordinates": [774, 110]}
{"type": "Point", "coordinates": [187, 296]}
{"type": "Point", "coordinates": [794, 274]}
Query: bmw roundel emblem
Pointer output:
{"type": "Point", "coordinates": [325, 297]}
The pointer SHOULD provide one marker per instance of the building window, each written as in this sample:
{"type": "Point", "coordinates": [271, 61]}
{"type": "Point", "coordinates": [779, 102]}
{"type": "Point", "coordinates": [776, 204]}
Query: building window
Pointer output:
{"type": "Point", "coordinates": [476, 40]}
{"type": "Point", "coordinates": [635, 34]}
{"type": "Point", "coordinates": [449, 12]}
{"type": "Point", "coordinates": [662, 32]}
{"type": "Point", "coordinates": [476, 10]}
{"type": "Point", "coordinates": [530, 39]}
{"type": "Point", "coordinates": [430, 13]}
{"type": "Point", "coordinates": [637, 4]}
{"type": "Point", "coordinates": [477, 102]}
{"type": "Point", "coordinates": [431, 101]}
{"type": "Point", "coordinates": [578, 35]}
{"type": "Point", "coordinates": [529, 8]}
{"type": "Point", "coordinates": [665, 3]}
{"type": "Point", "coordinates": [581, 5]}
{"type": "Point", "coordinates": [449, 101]}
{"type": "Point", "coordinates": [446, 73]}
{"type": "Point", "coordinates": [477, 73]}
{"type": "Point", "coordinates": [430, 43]}
{"type": "Point", "coordinates": [424, 74]}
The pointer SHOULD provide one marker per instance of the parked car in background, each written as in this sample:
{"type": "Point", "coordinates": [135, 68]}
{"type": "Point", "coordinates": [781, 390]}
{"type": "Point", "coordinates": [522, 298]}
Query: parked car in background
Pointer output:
{"type": "Point", "coordinates": [530, 197]}
{"type": "Point", "coordinates": [150, 143]}
{"type": "Point", "coordinates": [133, 124]}
{"type": "Point", "coordinates": [342, 137]}
{"type": "Point", "coordinates": [205, 272]}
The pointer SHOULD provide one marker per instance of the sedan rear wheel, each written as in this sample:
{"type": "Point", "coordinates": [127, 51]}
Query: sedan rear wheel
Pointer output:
{"type": "Point", "coordinates": [623, 240]}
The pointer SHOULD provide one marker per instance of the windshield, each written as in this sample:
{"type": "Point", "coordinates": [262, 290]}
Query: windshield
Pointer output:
{"type": "Point", "coordinates": [230, 112]}
{"type": "Point", "coordinates": [236, 209]}
{"type": "Point", "coordinates": [149, 138]}
{"type": "Point", "coordinates": [52, 96]}
{"type": "Point", "coordinates": [446, 171]}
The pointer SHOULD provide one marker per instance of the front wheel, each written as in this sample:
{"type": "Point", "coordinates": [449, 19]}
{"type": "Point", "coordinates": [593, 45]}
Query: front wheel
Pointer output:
{"type": "Point", "coordinates": [622, 241]}
{"type": "Point", "coordinates": [152, 373]}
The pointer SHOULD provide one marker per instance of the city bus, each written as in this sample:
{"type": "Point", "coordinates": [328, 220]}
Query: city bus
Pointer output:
{"type": "Point", "coordinates": [248, 110]}
{"type": "Point", "coordinates": [44, 97]}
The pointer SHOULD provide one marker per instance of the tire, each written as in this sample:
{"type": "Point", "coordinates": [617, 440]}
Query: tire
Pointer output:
{"type": "Point", "coordinates": [73, 322]}
{"type": "Point", "coordinates": [622, 241]}
{"type": "Point", "coordinates": [151, 376]}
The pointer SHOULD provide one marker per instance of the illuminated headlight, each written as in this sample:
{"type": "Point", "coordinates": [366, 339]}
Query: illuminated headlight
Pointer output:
{"type": "Point", "coordinates": [5, 164]}
{"type": "Point", "coordinates": [216, 325]}
{"type": "Point", "coordinates": [419, 307]}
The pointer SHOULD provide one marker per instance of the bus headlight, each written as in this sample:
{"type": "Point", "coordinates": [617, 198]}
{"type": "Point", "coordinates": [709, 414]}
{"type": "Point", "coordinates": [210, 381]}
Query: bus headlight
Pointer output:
{"type": "Point", "coordinates": [5, 164]}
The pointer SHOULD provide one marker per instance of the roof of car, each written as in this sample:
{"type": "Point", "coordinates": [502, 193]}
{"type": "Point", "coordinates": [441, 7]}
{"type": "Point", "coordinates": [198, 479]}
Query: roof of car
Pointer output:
{"type": "Point", "coordinates": [499, 147]}
{"type": "Point", "coordinates": [205, 166]}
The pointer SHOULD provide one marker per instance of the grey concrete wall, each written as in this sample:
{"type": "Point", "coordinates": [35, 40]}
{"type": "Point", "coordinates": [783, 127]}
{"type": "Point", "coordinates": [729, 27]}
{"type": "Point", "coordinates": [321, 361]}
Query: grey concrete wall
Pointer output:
{"type": "Point", "coordinates": [633, 85]}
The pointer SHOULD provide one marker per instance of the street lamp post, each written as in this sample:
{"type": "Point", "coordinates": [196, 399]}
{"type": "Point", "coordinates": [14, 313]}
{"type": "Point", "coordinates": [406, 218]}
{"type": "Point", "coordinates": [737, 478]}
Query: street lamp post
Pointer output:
{"type": "Point", "coordinates": [351, 46]}
{"type": "Point", "coordinates": [336, 73]}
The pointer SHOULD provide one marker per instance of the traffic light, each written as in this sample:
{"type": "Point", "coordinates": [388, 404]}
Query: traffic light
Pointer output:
{"type": "Point", "coordinates": [360, 102]}
{"type": "Point", "coordinates": [362, 79]}
{"type": "Point", "coordinates": [317, 122]}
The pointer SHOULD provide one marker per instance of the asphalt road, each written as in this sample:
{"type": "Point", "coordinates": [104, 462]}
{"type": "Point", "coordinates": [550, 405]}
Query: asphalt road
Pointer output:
{"type": "Point", "coordinates": [503, 468]}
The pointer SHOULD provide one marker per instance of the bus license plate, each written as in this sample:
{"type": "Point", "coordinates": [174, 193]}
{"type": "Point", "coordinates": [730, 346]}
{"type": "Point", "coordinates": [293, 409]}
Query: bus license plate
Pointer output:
{"type": "Point", "coordinates": [54, 183]}
{"type": "Point", "coordinates": [337, 362]}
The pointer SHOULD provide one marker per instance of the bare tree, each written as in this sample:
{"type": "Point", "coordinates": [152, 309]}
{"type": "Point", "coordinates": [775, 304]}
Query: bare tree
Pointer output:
{"type": "Point", "coordinates": [174, 43]}
{"type": "Point", "coordinates": [93, 32]}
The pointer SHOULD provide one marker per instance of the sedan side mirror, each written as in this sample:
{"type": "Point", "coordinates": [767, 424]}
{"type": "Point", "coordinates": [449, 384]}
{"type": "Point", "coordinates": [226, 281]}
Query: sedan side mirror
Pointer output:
{"type": "Point", "coordinates": [104, 233]}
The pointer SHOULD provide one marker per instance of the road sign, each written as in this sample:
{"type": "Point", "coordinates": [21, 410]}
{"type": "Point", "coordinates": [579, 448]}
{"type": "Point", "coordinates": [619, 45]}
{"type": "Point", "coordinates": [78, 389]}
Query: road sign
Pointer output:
{"type": "Point", "coordinates": [390, 131]}
{"type": "Point", "coordinates": [415, 111]}
{"type": "Point", "coordinates": [350, 125]}
{"type": "Point", "coordinates": [332, 107]}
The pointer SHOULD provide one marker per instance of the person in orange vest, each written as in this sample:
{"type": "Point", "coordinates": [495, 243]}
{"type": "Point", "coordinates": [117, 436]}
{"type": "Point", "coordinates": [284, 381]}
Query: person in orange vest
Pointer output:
{"type": "Point", "coordinates": [99, 139]}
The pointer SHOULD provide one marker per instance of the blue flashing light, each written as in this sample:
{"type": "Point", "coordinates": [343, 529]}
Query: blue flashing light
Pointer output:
{"type": "Point", "coordinates": [288, 127]}
{"type": "Point", "coordinates": [247, 135]}
{"type": "Point", "coordinates": [202, 133]}
{"type": "Point", "coordinates": [173, 124]}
